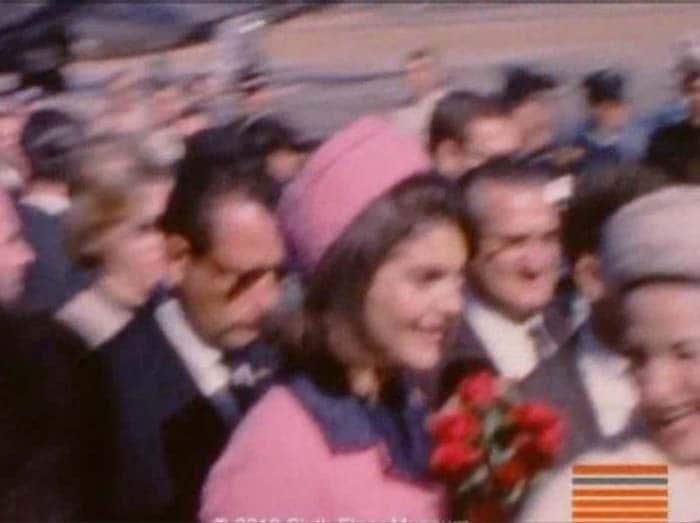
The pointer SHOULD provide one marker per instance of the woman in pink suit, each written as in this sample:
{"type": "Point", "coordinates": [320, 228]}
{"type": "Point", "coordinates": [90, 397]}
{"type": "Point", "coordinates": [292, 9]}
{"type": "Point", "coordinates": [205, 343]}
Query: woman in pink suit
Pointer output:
{"type": "Point", "coordinates": [383, 252]}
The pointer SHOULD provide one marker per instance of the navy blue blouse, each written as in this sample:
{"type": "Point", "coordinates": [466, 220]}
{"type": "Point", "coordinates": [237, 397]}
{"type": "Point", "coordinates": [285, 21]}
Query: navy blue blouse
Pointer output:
{"type": "Point", "coordinates": [351, 424]}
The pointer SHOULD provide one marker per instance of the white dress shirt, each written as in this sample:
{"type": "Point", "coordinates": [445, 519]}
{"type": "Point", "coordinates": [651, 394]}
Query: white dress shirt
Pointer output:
{"type": "Point", "coordinates": [605, 375]}
{"type": "Point", "coordinates": [51, 204]}
{"type": "Point", "coordinates": [203, 362]}
{"type": "Point", "coordinates": [509, 344]}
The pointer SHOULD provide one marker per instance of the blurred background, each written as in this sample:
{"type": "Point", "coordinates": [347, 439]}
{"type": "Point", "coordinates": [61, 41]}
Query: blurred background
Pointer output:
{"type": "Point", "coordinates": [328, 61]}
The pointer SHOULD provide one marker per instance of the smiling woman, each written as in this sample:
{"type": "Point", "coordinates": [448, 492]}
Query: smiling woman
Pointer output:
{"type": "Point", "coordinates": [384, 262]}
{"type": "Point", "coordinates": [653, 263]}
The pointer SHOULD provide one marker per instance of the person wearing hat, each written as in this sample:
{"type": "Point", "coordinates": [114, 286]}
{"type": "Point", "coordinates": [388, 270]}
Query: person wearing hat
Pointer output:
{"type": "Point", "coordinates": [652, 262]}
{"type": "Point", "coordinates": [676, 146]}
{"type": "Point", "coordinates": [383, 253]}
{"type": "Point", "coordinates": [602, 137]}
{"type": "Point", "coordinates": [588, 378]}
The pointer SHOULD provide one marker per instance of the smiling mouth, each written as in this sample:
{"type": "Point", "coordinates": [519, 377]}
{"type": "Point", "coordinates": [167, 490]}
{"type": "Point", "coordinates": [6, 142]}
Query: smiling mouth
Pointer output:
{"type": "Point", "coordinates": [670, 418]}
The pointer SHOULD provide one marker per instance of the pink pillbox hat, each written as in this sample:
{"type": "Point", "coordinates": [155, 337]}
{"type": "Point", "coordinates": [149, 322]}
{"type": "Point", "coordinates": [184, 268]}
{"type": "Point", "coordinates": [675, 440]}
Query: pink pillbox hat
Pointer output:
{"type": "Point", "coordinates": [350, 170]}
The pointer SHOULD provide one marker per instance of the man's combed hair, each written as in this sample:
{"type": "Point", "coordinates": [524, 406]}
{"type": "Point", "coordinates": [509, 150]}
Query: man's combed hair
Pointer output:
{"type": "Point", "coordinates": [49, 139]}
{"type": "Point", "coordinates": [450, 116]}
{"type": "Point", "coordinates": [597, 196]}
{"type": "Point", "coordinates": [502, 169]}
{"type": "Point", "coordinates": [199, 188]}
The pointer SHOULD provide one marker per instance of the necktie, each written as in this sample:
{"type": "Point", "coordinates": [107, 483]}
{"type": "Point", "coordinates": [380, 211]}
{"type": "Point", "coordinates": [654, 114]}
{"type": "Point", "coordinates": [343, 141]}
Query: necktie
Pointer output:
{"type": "Point", "coordinates": [545, 346]}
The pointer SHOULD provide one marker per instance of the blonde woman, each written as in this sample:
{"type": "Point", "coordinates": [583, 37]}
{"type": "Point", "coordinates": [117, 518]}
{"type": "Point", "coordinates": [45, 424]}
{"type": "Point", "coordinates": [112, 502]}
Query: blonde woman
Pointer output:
{"type": "Point", "coordinates": [112, 229]}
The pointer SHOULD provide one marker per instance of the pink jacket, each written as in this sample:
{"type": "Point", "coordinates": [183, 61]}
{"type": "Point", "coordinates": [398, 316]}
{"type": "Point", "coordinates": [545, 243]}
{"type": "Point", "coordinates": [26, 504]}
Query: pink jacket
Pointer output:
{"type": "Point", "coordinates": [278, 465]}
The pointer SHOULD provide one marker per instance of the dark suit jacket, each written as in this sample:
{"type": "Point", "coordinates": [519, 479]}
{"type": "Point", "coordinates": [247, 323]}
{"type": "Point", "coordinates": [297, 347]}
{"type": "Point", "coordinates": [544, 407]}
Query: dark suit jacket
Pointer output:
{"type": "Point", "coordinates": [165, 433]}
{"type": "Point", "coordinates": [47, 469]}
{"type": "Point", "coordinates": [53, 278]}
{"type": "Point", "coordinates": [468, 354]}
{"type": "Point", "coordinates": [559, 382]}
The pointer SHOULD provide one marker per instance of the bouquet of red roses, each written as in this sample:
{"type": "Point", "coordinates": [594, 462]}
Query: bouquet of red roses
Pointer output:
{"type": "Point", "coordinates": [489, 446]}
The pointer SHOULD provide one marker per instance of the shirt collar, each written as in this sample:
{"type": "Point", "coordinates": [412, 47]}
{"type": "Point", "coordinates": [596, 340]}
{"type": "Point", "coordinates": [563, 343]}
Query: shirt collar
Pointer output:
{"type": "Point", "coordinates": [351, 424]}
{"type": "Point", "coordinates": [608, 384]}
{"type": "Point", "coordinates": [203, 361]}
{"type": "Point", "coordinates": [51, 204]}
{"type": "Point", "coordinates": [509, 344]}
{"type": "Point", "coordinates": [592, 348]}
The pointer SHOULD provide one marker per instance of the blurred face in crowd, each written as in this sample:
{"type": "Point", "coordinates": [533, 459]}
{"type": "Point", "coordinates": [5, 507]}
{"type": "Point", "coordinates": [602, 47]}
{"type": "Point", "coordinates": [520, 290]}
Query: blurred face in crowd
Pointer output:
{"type": "Point", "coordinates": [491, 137]}
{"type": "Point", "coordinates": [485, 138]}
{"type": "Point", "coordinates": [606, 311]}
{"type": "Point", "coordinates": [256, 98]}
{"type": "Point", "coordinates": [610, 115]}
{"type": "Point", "coordinates": [191, 124]}
{"type": "Point", "coordinates": [516, 265]}
{"type": "Point", "coordinates": [692, 96]}
{"type": "Point", "coordinates": [285, 164]}
{"type": "Point", "coordinates": [228, 291]}
{"type": "Point", "coordinates": [663, 339]}
{"type": "Point", "coordinates": [423, 75]}
{"type": "Point", "coordinates": [15, 254]}
{"type": "Point", "coordinates": [535, 117]}
{"type": "Point", "coordinates": [167, 104]}
{"type": "Point", "coordinates": [134, 249]}
{"type": "Point", "coordinates": [416, 295]}
{"type": "Point", "coordinates": [10, 129]}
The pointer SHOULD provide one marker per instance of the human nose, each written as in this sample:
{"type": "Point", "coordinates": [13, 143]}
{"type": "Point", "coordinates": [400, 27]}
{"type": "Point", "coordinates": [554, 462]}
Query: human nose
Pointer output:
{"type": "Point", "coordinates": [541, 255]}
{"type": "Point", "coordinates": [451, 299]}
{"type": "Point", "coordinates": [264, 295]}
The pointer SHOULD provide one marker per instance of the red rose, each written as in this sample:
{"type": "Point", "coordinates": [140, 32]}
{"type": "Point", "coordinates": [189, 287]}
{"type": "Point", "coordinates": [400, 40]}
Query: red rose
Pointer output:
{"type": "Point", "coordinates": [479, 390]}
{"type": "Point", "coordinates": [521, 440]}
{"type": "Point", "coordinates": [550, 440]}
{"type": "Point", "coordinates": [455, 426]}
{"type": "Point", "coordinates": [534, 416]}
{"type": "Point", "coordinates": [453, 459]}
{"type": "Point", "coordinates": [486, 511]}
{"type": "Point", "coordinates": [512, 472]}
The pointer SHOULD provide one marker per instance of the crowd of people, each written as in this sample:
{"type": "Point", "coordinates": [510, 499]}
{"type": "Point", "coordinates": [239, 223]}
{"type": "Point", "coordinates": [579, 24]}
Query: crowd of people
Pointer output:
{"type": "Point", "coordinates": [204, 316]}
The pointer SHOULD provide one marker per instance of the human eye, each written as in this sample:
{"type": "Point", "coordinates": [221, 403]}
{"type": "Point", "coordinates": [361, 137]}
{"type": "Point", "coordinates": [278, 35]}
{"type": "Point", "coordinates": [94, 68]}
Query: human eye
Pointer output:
{"type": "Point", "coordinates": [424, 277]}
{"type": "Point", "coordinates": [687, 351]}
{"type": "Point", "coordinates": [637, 358]}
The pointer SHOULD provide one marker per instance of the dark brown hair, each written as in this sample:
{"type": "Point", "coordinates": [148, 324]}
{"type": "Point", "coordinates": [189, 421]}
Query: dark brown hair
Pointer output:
{"type": "Point", "coordinates": [345, 273]}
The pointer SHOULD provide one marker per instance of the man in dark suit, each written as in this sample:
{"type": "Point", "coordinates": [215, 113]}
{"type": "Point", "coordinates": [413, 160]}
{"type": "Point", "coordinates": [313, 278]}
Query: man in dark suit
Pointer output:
{"type": "Point", "coordinates": [48, 471]}
{"type": "Point", "coordinates": [588, 379]}
{"type": "Point", "coordinates": [509, 321]}
{"type": "Point", "coordinates": [675, 147]}
{"type": "Point", "coordinates": [48, 140]}
{"type": "Point", "coordinates": [182, 374]}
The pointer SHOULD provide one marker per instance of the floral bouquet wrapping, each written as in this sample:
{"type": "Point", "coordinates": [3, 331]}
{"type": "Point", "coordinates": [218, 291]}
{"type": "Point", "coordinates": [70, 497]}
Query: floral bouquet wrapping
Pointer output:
{"type": "Point", "coordinates": [489, 447]}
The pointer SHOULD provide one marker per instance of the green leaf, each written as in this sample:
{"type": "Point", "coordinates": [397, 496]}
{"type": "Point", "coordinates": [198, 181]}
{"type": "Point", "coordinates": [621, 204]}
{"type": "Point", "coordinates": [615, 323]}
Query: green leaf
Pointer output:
{"type": "Point", "coordinates": [499, 455]}
{"type": "Point", "coordinates": [475, 478]}
{"type": "Point", "coordinates": [517, 493]}
{"type": "Point", "coordinates": [493, 420]}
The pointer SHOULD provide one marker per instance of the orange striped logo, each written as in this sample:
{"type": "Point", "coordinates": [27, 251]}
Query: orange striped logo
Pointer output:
{"type": "Point", "coordinates": [619, 493]}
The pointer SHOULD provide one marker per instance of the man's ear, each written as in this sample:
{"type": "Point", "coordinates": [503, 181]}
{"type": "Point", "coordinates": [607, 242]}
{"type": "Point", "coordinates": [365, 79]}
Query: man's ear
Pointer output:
{"type": "Point", "coordinates": [589, 277]}
{"type": "Point", "coordinates": [447, 156]}
{"type": "Point", "coordinates": [179, 257]}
